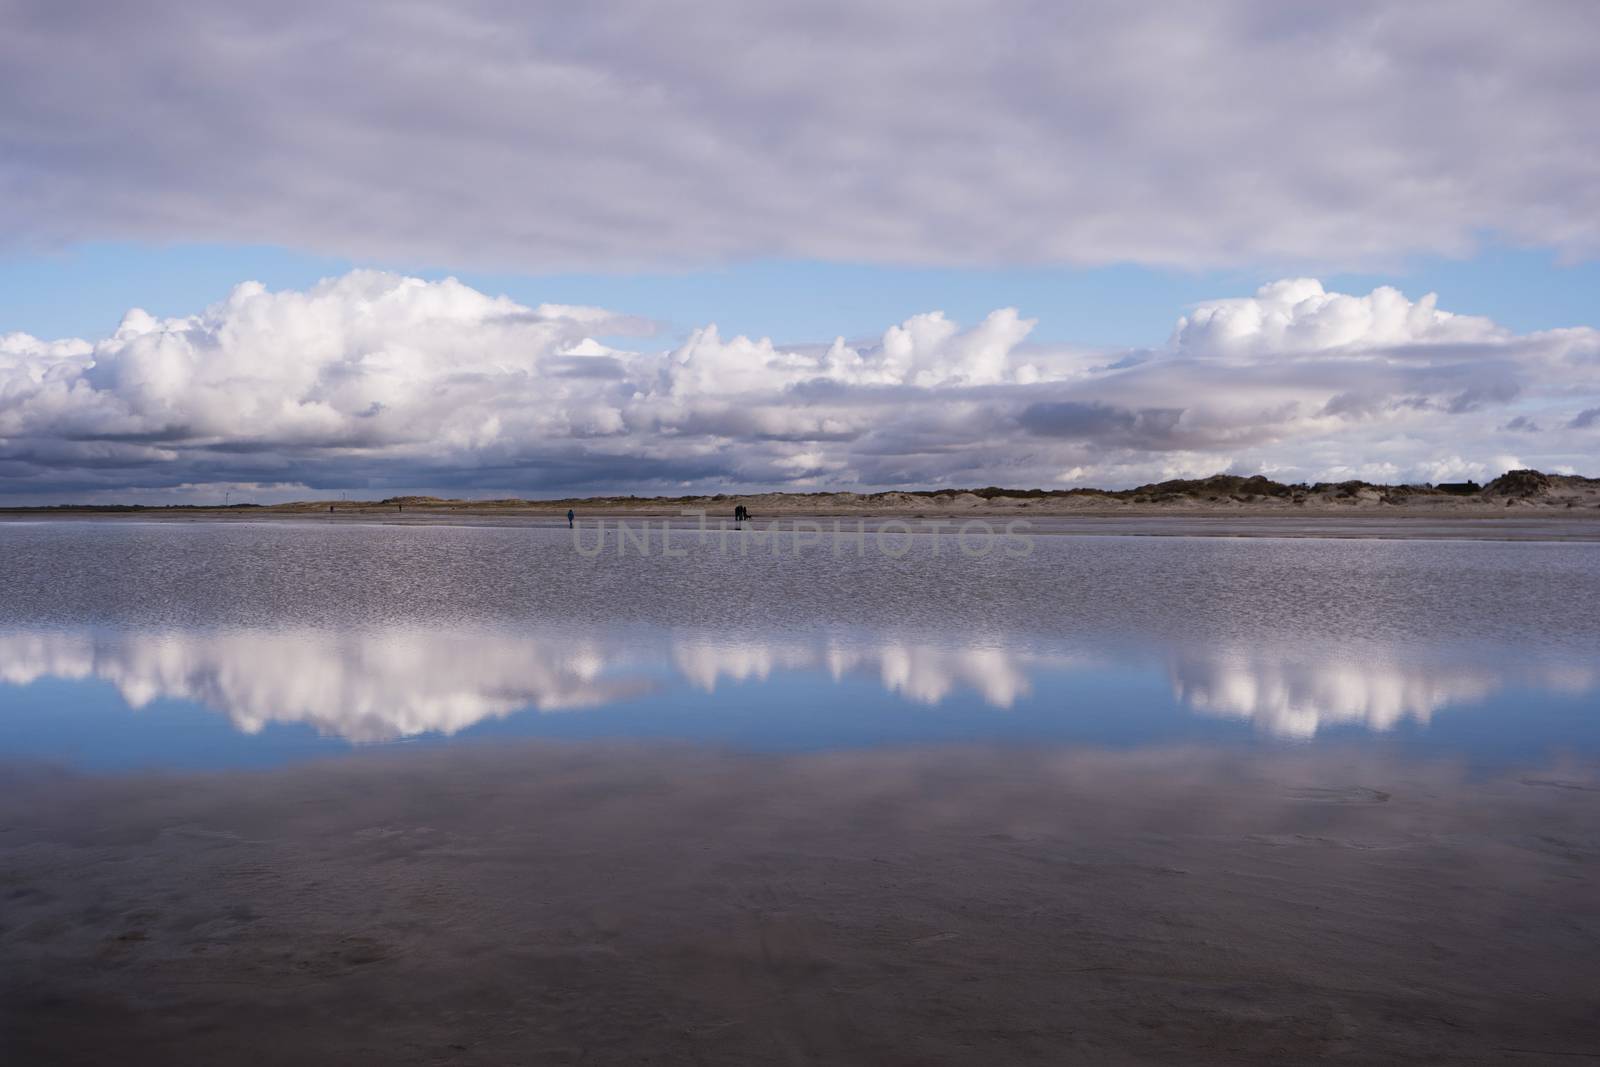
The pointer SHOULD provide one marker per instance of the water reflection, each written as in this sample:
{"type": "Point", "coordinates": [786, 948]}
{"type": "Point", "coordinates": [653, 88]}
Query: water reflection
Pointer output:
{"type": "Point", "coordinates": [395, 684]}
{"type": "Point", "coordinates": [361, 687]}
{"type": "Point", "coordinates": [1293, 698]}
{"type": "Point", "coordinates": [924, 674]}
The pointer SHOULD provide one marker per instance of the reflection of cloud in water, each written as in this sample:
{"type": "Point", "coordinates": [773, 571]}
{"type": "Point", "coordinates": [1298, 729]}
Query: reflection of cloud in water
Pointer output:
{"type": "Point", "coordinates": [1292, 698]}
{"type": "Point", "coordinates": [363, 687]}
{"type": "Point", "coordinates": [925, 674]}
{"type": "Point", "coordinates": [367, 686]}
{"type": "Point", "coordinates": [704, 664]}
{"type": "Point", "coordinates": [380, 686]}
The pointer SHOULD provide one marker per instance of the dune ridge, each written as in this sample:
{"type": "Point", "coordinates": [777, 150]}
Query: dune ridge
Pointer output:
{"type": "Point", "coordinates": [1516, 489]}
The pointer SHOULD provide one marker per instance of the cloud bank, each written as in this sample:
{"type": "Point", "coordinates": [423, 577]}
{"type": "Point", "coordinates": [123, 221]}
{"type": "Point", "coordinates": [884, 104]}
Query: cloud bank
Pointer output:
{"type": "Point", "coordinates": [379, 382]}
{"type": "Point", "coordinates": [561, 136]}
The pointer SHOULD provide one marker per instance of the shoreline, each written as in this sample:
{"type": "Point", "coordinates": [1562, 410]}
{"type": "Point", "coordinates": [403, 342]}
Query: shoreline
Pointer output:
{"type": "Point", "coordinates": [1524, 524]}
{"type": "Point", "coordinates": [1518, 491]}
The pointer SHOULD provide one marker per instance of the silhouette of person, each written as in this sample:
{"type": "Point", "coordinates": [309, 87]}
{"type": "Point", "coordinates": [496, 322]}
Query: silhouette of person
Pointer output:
{"type": "Point", "coordinates": [570, 516]}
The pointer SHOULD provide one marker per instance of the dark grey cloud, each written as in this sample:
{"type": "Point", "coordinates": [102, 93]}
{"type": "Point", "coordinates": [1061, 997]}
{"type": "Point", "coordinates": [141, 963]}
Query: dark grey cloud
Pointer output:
{"type": "Point", "coordinates": [1357, 404]}
{"type": "Point", "coordinates": [607, 367]}
{"type": "Point", "coordinates": [555, 136]}
{"type": "Point", "coordinates": [1480, 395]}
{"type": "Point", "coordinates": [1586, 418]}
{"type": "Point", "coordinates": [1151, 428]}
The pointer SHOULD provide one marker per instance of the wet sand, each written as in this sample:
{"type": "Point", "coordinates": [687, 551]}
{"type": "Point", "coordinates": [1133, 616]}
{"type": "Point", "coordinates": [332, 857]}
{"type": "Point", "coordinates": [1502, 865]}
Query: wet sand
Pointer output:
{"type": "Point", "coordinates": [579, 904]}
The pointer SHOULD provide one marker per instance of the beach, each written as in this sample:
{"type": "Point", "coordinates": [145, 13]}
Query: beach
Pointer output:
{"type": "Point", "coordinates": [1521, 505]}
{"type": "Point", "coordinates": [1476, 525]}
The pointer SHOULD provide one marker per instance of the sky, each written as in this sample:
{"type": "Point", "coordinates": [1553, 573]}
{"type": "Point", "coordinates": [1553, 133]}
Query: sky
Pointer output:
{"type": "Point", "coordinates": [487, 248]}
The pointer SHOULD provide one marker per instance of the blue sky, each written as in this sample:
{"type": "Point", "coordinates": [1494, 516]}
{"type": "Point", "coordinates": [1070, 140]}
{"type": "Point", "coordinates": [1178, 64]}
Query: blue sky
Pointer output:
{"type": "Point", "coordinates": [82, 291]}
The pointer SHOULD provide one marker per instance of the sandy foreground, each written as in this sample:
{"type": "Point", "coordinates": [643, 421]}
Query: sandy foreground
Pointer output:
{"type": "Point", "coordinates": [544, 903]}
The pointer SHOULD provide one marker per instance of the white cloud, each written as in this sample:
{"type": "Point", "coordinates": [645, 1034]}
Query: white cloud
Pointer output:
{"type": "Point", "coordinates": [563, 136]}
{"type": "Point", "coordinates": [379, 381]}
{"type": "Point", "coordinates": [1297, 315]}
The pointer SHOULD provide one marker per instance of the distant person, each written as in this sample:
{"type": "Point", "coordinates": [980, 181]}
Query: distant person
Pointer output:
{"type": "Point", "coordinates": [571, 515]}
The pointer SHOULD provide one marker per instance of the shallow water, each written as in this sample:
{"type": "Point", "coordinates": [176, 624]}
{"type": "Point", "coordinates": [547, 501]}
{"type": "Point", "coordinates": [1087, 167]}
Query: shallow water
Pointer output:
{"type": "Point", "coordinates": [129, 645]}
{"type": "Point", "coordinates": [1072, 799]}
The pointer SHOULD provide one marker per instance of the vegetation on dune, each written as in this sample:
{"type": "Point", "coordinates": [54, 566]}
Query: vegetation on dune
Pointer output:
{"type": "Point", "coordinates": [1521, 483]}
{"type": "Point", "coordinates": [1511, 487]}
